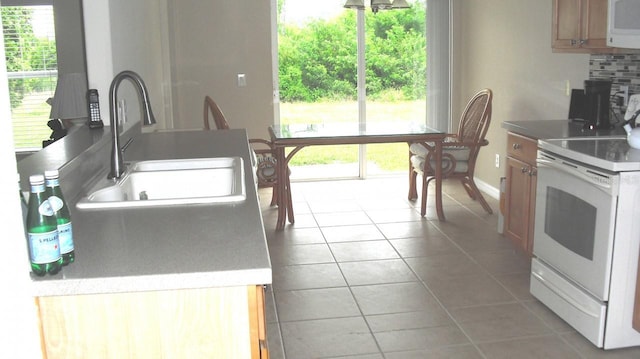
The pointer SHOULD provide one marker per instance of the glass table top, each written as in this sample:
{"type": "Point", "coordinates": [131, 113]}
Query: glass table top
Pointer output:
{"type": "Point", "coordinates": [336, 130]}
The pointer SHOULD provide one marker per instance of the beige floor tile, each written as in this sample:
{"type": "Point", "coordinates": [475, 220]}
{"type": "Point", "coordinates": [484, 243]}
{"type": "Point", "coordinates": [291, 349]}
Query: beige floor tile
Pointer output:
{"type": "Point", "coordinates": [430, 246]}
{"type": "Point", "coordinates": [393, 298]}
{"type": "Point", "coordinates": [394, 215]}
{"type": "Point", "coordinates": [423, 228]}
{"type": "Point", "coordinates": [365, 232]}
{"type": "Point", "coordinates": [292, 235]}
{"type": "Point", "coordinates": [455, 352]}
{"type": "Point", "coordinates": [437, 268]}
{"type": "Point", "coordinates": [545, 347]}
{"type": "Point", "coordinates": [341, 219]}
{"type": "Point", "coordinates": [327, 338]}
{"type": "Point", "coordinates": [315, 304]}
{"type": "Point", "coordinates": [499, 322]}
{"type": "Point", "coordinates": [517, 284]}
{"type": "Point", "coordinates": [300, 254]}
{"type": "Point", "coordinates": [377, 272]}
{"type": "Point", "coordinates": [424, 338]}
{"type": "Point", "coordinates": [307, 276]}
{"type": "Point", "coordinates": [431, 316]}
{"type": "Point", "coordinates": [464, 291]}
{"type": "Point", "coordinates": [589, 351]}
{"type": "Point", "coordinates": [363, 251]}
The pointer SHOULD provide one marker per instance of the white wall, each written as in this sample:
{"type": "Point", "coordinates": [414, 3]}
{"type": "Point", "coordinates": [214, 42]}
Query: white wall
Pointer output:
{"type": "Point", "coordinates": [506, 46]}
{"type": "Point", "coordinates": [211, 43]}
{"type": "Point", "coordinates": [127, 35]}
{"type": "Point", "coordinates": [19, 336]}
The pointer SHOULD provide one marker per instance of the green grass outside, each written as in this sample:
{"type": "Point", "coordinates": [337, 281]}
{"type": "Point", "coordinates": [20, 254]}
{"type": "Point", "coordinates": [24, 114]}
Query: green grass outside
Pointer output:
{"type": "Point", "coordinates": [391, 157]}
{"type": "Point", "coordinates": [30, 121]}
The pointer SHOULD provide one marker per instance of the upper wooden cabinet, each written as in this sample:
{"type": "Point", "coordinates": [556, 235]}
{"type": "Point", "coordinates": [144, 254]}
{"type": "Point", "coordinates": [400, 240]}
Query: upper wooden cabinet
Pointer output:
{"type": "Point", "coordinates": [580, 26]}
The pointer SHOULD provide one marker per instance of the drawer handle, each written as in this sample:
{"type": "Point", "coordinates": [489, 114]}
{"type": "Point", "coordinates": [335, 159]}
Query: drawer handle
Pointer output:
{"type": "Point", "coordinates": [517, 146]}
{"type": "Point", "coordinates": [524, 170]}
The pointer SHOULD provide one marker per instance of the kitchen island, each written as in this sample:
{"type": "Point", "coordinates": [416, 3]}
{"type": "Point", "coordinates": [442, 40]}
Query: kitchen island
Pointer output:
{"type": "Point", "coordinates": [174, 281]}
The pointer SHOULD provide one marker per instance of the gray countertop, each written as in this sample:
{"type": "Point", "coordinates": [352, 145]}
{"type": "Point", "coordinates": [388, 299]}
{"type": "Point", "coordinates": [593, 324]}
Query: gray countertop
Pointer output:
{"type": "Point", "coordinates": [605, 149]}
{"type": "Point", "coordinates": [167, 248]}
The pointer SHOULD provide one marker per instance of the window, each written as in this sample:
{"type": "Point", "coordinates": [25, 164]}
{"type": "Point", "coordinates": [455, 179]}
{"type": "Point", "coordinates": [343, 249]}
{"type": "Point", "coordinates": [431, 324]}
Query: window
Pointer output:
{"type": "Point", "coordinates": [344, 65]}
{"type": "Point", "coordinates": [30, 47]}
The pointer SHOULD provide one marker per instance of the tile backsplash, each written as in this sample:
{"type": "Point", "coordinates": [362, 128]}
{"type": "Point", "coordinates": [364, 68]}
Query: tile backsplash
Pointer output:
{"type": "Point", "coordinates": [623, 69]}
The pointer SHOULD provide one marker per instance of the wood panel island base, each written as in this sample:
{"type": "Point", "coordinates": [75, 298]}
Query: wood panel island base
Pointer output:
{"type": "Point", "coordinates": [225, 322]}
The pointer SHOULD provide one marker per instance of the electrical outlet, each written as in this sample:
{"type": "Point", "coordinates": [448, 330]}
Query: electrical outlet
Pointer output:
{"type": "Point", "coordinates": [497, 160]}
{"type": "Point", "coordinates": [625, 95]}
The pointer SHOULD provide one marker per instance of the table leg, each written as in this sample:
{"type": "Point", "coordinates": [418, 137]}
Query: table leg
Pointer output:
{"type": "Point", "coordinates": [438, 173]}
{"type": "Point", "coordinates": [282, 197]}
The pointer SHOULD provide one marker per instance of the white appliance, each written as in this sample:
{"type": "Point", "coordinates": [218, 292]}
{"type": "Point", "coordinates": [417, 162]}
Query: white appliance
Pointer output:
{"type": "Point", "coordinates": [623, 24]}
{"type": "Point", "coordinates": [587, 236]}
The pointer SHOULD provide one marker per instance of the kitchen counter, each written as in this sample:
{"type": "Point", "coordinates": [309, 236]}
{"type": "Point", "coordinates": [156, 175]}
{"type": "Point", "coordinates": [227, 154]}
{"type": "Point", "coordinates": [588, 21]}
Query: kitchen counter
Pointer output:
{"type": "Point", "coordinates": [605, 149]}
{"type": "Point", "coordinates": [557, 129]}
{"type": "Point", "coordinates": [167, 248]}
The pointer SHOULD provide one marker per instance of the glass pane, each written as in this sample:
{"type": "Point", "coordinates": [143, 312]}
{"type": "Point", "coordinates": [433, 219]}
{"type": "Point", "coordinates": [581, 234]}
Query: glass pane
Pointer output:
{"type": "Point", "coordinates": [29, 38]}
{"type": "Point", "coordinates": [570, 221]}
{"type": "Point", "coordinates": [395, 77]}
{"type": "Point", "coordinates": [317, 48]}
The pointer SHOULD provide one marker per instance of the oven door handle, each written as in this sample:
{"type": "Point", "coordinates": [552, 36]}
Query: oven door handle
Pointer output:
{"type": "Point", "coordinates": [564, 295]}
{"type": "Point", "coordinates": [541, 162]}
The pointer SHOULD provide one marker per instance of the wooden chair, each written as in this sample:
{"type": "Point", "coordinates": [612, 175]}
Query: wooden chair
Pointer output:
{"type": "Point", "coordinates": [460, 151]}
{"type": "Point", "coordinates": [264, 159]}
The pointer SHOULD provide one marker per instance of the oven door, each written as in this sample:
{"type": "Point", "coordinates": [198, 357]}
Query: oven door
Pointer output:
{"type": "Point", "coordinates": [575, 221]}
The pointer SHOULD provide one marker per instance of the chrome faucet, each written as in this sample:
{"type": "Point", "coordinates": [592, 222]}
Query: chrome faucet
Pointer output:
{"type": "Point", "coordinates": [117, 156]}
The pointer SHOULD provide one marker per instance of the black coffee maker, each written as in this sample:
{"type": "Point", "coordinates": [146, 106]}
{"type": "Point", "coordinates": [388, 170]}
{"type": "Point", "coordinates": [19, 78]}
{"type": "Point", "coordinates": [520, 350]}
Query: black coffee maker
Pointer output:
{"type": "Point", "coordinates": [597, 96]}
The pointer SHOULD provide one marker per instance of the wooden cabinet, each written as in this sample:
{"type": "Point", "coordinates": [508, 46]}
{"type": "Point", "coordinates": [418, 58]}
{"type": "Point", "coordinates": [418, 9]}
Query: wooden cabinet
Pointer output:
{"type": "Point", "coordinates": [225, 322]}
{"type": "Point", "coordinates": [580, 26]}
{"type": "Point", "coordinates": [520, 191]}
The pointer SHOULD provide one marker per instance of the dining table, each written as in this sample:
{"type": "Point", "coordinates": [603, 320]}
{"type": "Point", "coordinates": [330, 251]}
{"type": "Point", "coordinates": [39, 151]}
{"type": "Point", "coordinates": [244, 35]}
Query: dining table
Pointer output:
{"type": "Point", "coordinates": [299, 136]}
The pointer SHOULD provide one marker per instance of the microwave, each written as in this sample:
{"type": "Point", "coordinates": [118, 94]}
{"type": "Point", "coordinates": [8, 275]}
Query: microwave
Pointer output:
{"type": "Point", "coordinates": [623, 24]}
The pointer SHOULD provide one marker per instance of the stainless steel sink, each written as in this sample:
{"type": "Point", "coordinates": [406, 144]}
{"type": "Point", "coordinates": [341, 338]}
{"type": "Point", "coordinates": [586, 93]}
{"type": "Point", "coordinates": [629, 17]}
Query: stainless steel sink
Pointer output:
{"type": "Point", "coordinates": [171, 182]}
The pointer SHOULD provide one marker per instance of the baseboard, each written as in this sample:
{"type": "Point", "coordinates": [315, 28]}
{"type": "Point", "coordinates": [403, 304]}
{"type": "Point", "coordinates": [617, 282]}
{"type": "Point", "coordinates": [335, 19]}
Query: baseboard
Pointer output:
{"type": "Point", "coordinates": [487, 188]}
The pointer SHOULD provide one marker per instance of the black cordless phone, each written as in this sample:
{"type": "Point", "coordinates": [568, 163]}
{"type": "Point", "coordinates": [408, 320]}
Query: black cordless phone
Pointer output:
{"type": "Point", "coordinates": [94, 109]}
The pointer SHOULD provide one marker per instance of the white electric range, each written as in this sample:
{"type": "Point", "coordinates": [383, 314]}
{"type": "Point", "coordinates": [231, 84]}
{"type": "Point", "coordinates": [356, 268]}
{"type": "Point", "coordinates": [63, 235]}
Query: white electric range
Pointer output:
{"type": "Point", "coordinates": [587, 235]}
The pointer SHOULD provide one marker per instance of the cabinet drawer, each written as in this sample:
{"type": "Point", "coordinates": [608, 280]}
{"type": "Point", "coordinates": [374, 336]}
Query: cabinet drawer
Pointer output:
{"type": "Point", "coordinates": [522, 148]}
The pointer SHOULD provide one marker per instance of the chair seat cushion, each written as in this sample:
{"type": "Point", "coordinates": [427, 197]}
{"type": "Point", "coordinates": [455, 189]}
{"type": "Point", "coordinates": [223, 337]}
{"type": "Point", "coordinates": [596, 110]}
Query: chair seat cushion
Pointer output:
{"type": "Point", "coordinates": [460, 154]}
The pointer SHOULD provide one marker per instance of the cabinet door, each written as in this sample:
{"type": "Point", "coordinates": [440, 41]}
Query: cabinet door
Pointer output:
{"type": "Point", "coordinates": [580, 26]}
{"type": "Point", "coordinates": [594, 24]}
{"type": "Point", "coordinates": [518, 203]}
{"type": "Point", "coordinates": [188, 323]}
{"type": "Point", "coordinates": [258, 323]}
{"type": "Point", "coordinates": [566, 23]}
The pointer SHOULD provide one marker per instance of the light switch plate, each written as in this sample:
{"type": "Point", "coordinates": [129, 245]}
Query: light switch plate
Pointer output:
{"type": "Point", "coordinates": [242, 80]}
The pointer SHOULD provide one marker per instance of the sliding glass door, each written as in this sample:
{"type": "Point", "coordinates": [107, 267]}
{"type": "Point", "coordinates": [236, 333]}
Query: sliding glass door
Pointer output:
{"type": "Point", "coordinates": [343, 65]}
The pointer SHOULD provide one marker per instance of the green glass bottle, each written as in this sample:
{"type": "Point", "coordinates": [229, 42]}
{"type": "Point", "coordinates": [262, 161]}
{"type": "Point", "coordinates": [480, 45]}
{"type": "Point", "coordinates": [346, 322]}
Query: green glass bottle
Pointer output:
{"type": "Point", "coordinates": [42, 231]}
{"type": "Point", "coordinates": [63, 217]}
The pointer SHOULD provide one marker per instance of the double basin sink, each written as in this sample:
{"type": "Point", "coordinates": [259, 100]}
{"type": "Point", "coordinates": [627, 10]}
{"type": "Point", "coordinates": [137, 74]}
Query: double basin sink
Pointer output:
{"type": "Point", "coordinates": [170, 183]}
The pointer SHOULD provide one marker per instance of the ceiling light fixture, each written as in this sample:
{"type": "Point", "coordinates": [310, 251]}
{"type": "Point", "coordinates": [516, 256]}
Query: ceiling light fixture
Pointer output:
{"type": "Point", "coordinates": [377, 5]}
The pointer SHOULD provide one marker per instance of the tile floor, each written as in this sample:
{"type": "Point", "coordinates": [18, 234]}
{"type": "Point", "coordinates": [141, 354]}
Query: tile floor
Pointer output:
{"type": "Point", "coordinates": [362, 275]}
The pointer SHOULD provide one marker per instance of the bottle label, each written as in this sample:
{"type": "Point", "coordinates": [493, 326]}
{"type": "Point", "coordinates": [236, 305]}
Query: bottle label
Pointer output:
{"type": "Point", "coordinates": [65, 236]}
{"type": "Point", "coordinates": [45, 209]}
{"type": "Point", "coordinates": [56, 203]}
{"type": "Point", "coordinates": [44, 247]}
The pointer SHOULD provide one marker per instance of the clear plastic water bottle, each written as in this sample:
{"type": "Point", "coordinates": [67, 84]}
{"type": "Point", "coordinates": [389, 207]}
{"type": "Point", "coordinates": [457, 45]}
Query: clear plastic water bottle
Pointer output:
{"type": "Point", "coordinates": [62, 215]}
{"type": "Point", "coordinates": [42, 231]}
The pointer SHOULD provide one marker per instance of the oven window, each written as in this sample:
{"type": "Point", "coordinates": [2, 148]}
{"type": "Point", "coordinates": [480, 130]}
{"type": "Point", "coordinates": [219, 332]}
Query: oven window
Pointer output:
{"type": "Point", "coordinates": [571, 222]}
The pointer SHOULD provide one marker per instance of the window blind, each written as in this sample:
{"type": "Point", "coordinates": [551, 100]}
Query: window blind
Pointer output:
{"type": "Point", "coordinates": [29, 38]}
